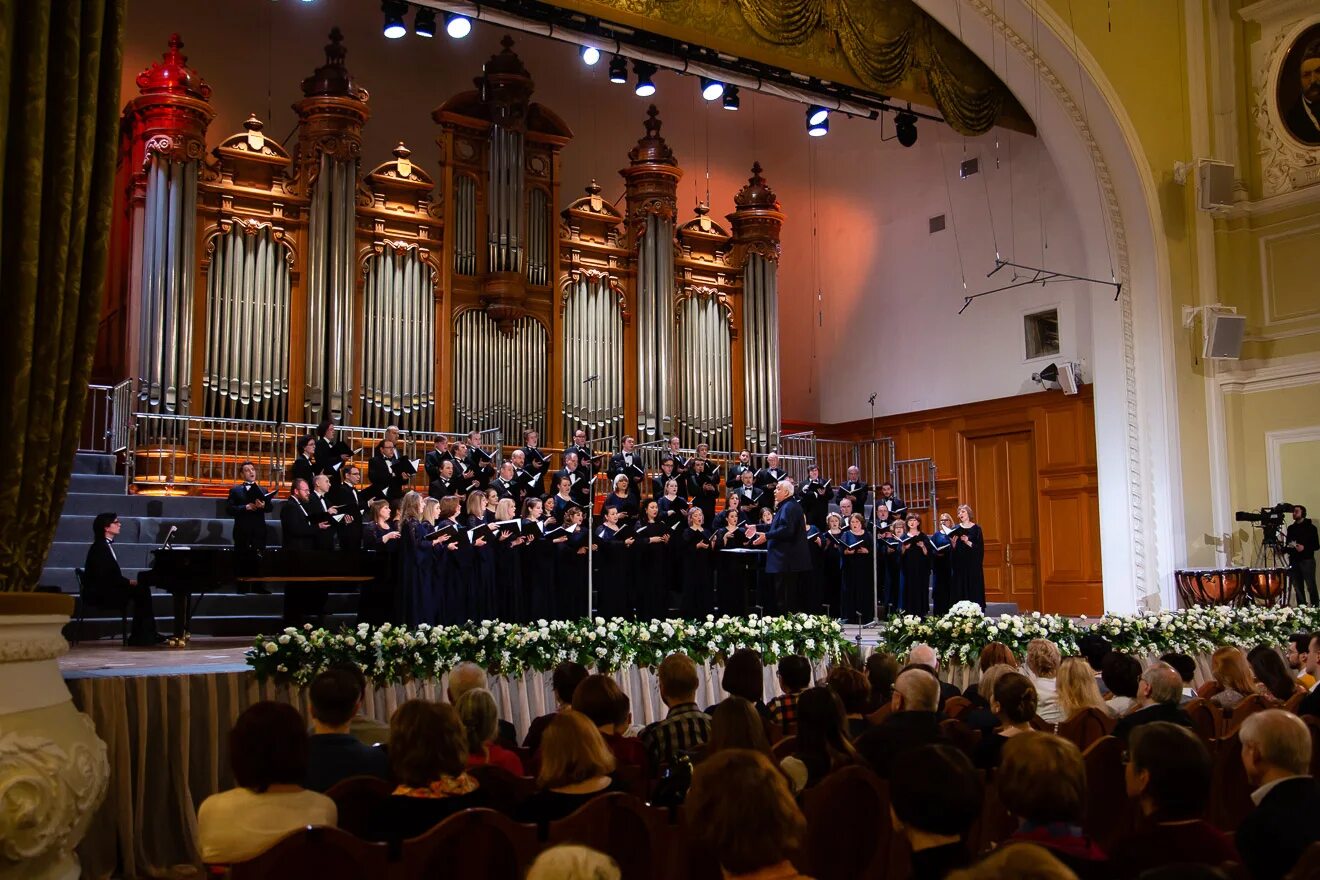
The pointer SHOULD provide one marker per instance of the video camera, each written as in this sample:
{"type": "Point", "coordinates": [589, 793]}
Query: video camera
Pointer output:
{"type": "Point", "coordinates": [1270, 519]}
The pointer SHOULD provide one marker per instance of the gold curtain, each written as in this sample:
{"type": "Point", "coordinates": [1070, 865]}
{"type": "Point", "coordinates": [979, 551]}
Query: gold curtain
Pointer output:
{"type": "Point", "coordinates": [59, 117]}
{"type": "Point", "coordinates": [885, 41]}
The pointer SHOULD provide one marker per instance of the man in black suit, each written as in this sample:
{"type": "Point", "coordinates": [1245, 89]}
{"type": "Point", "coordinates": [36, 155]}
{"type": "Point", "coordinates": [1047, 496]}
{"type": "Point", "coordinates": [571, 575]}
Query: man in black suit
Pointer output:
{"type": "Point", "coordinates": [629, 463]}
{"type": "Point", "coordinates": [580, 491]}
{"type": "Point", "coordinates": [736, 471]}
{"type": "Point", "coordinates": [925, 656]}
{"type": "Point", "coordinates": [854, 489]}
{"type": "Point", "coordinates": [914, 721]}
{"type": "Point", "coordinates": [534, 462]}
{"type": "Point", "coordinates": [352, 501]}
{"type": "Point", "coordinates": [300, 534]}
{"type": "Point", "coordinates": [750, 498]}
{"type": "Point", "coordinates": [1276, 753]}
{"type": "Point", "coordinates": [897, 507]}
{"type": "Point", "coordinates": [507, 484]}
{"type": "Point", "coordinates": [787, 553]}
{"type": "Point", "coordinates": [387, 473]}
{"type": "Point", "coordinates": [322, 510]}
{"type": "Point", "coordinates": [1158, 694]}
{"type": "Point", "coordinates": [769, 476]}
{"type": "Point", "coordinates": [1303, 117]}
{"type": "Point", "coordinates": [585, 457]}
{"type": "Point", "coordinates": [104, 582]}
{"type": "Point", "coordinates": [247, 505]}
{"type": "Point", "coordinates": [439, 453]}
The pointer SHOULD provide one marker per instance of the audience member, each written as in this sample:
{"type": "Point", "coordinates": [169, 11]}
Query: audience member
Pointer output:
{"type": "Point", "coordinates": [476, 709]}
{"type": "Point", "coordinates": [1233, 675]}
{"type": "Point", "coordinates": [1076, 688]}
{"type": "Point", "coordinates": [572, 862]}
{"type": "Point", "coordinates": [854, 691]}
{"type": "Point", "coordinates": [924, 655]}
{"type": "Point", "coordinates": [1158, 695]}
{"type": "Point", "coordinates": [1186, 668]}
{"type": "Point", "coordinates": [734, 724]}
{"type": "Point", "coordinates": [463, 678]}
{"type": "Point", "coordinates": [744, 676]}
{"type": "Point", "coordinates": [1276, 753]}
{"type": "Point", "coordinates": [740, 808]}
{"type": "Point", "coordinates": [794, 674]}
{"type": "Point", "coordinates": [1168, 775]}
{"type": "Point", "coordinates": [428, 759]}
{"type": "Point", "coordinates": [981, 716]}
{"type": "Point", "coordinates": [268, 755]}
{"type": "Point", "coordinates": [367, 731]}
{"type": "Point", "coordinates": [934, 796]}
{"type": "Point", "coordinates": [822, 740]}
{"type": "Point", "coordinates": [606, 706]}
{"type": "Point", "coordinates": [1272, 674]}
{"type": "Point", "coordinates": [1095, 648]}
{"type": "Point", "coordinates": [333, 753]}
{"type": "Point", "coordinates": [575, 767]}
{"type": "Point", "coordinates": [1014, 705]}
{"type": "Point", "coordinates": [996, 654]}
{"type": "Point", "coordinates": [914, 721]}
{"type": "Point", "coordinates": [1299, 645]}
{"type": "Point", "coordinates": [1043, 665]}
{"type": "Point", "coordinates": [563, 681]}
{"type": "Point", "coordinates": [1310, 704]}
{"type": "Point", "coordinates": [685, 727]}
{"type": "Point", "coordinates": [1018, 861]}
{"type": "Point", "coordinates": [1042, 781]}
{"type": "Point", "coordinates": [881, 670]}
{"type": "Point", "coordinates": [1121, 674]}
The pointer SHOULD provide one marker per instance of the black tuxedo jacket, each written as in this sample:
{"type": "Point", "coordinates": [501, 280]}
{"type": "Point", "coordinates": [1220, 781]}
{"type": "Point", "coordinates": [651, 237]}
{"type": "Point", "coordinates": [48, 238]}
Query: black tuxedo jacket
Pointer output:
{"type": "Point", "coordinates": [1273, 836]}
{"type": "Point", "coordinates": [102, 577]}
{"type": "Point", "coordinates": [296, 527]}
{"type": "Point", "coordinates": [303, 467]}
{"type": "Point", "coordinates": [239, 497]}
{"type": "Point", "coordinates": [434, 459]}
{"type": "Point", "coordinates": [580, 491]}
{"type": "Point", "coordinates": [768, 478]}
{"type": "Point", "coordinates": [386, 483]}
{"type": "Point", "coordinates": [619, 466]}
{"type": "Point", "coordinates": [354, 503]}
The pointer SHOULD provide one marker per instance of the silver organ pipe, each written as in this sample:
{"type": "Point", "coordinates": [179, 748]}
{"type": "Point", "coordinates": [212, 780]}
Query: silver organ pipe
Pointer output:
{"type": "Point", "coordinates": [165, 341]}
{"type": "Point", "coordinates": [538, 237]}
{"type": "Point", "coordinates": [398, 383]}
{"type": "Point", "coordinates": [593, 338]}
{"type": "Point", "coordinates": [245, 366]}
{"type": "Point", "coordinates": [330, 289]}
{"type": "Point", "coordinates": [465, 226]}
{"type": "Point", "coordinates": [504, 234]}
{"type": "Point", "coordinates": [704, 405]}
{"type": "Point", "coordinates": [499, 379]}
{"type": "Point", "coordinates": [761, 353]}
{"type": "Point", "coordinates": [655, 323]}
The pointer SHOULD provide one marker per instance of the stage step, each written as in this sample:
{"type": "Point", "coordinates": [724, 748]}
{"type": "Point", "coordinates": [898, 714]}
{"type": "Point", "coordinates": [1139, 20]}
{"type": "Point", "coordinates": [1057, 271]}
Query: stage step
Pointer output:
{"type": "Point", "coordinates": [95, 463]}
{"type": "Point", "coordinates": [92, 503]}
{"type": "Point", "coordinates": [149, 529]}
{"type": "Point", "coordinates": [223, 614]}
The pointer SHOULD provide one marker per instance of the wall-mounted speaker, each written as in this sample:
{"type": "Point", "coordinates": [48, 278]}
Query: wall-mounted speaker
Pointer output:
{"type": "Point", "coordinates": [1223, 335]}
{"type": "Point", "coordinates": [1214, 185]}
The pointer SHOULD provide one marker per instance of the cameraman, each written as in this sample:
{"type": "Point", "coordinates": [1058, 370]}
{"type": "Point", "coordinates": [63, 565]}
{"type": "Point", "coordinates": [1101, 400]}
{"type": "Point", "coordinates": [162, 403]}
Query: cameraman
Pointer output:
{"type": "Point", "coordinates": [1302, 544]}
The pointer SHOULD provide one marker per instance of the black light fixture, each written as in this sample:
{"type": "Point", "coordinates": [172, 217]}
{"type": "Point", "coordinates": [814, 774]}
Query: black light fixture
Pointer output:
{"type": "Point", "coordinates": [618, 69]}
{"type": "Point", "coordinates": [711, 89]}
{"type": "Point", "coordinates": [818, 121]}
{"type": "Point", "coordinates": [645, 87]}
{"type": "Point", "coordinates": [590, 55]}
{"type": "Point", "coordinates": [424, 22]}
{"type": "Point", "coordinates": [731, 99]}
{"type": "Point", "coordinates": [394, 10]}
{"type": "Point", "coordinates": [905, 126]}
{"type": "Point", "coordinates": [457, 26]}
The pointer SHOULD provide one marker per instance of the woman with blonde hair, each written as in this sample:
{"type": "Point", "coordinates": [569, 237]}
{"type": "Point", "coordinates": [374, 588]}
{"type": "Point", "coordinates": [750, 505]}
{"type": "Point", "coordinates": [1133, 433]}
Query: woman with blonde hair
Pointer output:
{"type": "Point", "coordinates": [448, 557]}
{"type": "Point", "coordinates": [1233, 675]}
{"type": "Point", "coordinates": [420, 595]}
{"type": "Point", "coordinates": [477, 560]}
{"type": "Point", "coordinates": [1076, 689]}
{"type": "Point", "coordinates": [575, 767]}
{"type": "Point", "coordinates": [481, 720]}
{"type": "Point", "coordinates": [509, 604]}
{"type": "Point", "coordinates": [967, 558]}
{"type": "Point", "coordinates": [1042, 664]}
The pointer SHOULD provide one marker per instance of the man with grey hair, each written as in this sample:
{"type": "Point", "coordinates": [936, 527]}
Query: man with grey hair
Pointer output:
{"type": "Point", "coordinates": [913, 720]}
{"type": "Point", "coordinates": [1158, 695]}
{"type": "Point", "coordinates": [788, 555]}
{"type": "Point", "coordinates": [468, 676]}
{"type": "Point", "coordinates": [1276, 753]}
{"type": "Point", "coordinates": [924, 655]}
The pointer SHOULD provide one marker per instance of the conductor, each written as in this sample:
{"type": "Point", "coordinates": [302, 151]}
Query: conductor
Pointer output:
{"type": "Point", "coordinates": [787, 551]}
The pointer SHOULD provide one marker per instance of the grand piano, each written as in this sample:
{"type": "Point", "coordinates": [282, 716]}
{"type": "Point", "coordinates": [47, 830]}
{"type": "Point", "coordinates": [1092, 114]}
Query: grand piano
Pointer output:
{"type": "Point", "coordinates": [189, 573]}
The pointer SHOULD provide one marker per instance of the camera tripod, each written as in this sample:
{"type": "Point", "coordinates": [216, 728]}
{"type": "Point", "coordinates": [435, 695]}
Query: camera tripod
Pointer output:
{"type": "Point", "coordinates": [1271, 552]}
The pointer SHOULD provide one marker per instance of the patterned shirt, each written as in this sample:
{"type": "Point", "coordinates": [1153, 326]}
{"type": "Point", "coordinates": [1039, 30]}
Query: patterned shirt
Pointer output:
{"type": "Point", "coordinates": [685, 728]}
{"type": "Point", "coordinates": [783, 712]}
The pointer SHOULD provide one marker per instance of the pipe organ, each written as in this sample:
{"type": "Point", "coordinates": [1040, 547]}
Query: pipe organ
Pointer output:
{"type": "Point", "coordinates": [295, 285]}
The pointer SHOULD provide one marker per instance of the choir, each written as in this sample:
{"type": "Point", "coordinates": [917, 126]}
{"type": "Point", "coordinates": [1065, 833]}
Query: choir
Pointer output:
{"type": "Point", "coordinates": [488, 542]}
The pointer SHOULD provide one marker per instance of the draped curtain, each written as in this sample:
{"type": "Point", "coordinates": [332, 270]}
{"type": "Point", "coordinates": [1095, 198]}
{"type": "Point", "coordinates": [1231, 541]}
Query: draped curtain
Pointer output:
{"type": "Point", "coordinates": [59, 96]}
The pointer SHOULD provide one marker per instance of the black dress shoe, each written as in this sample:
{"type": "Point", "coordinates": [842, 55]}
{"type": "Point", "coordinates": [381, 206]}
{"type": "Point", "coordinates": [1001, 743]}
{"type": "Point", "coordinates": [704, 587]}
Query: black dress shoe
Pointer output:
{"type": "Point", "coordinates": [149, 641]}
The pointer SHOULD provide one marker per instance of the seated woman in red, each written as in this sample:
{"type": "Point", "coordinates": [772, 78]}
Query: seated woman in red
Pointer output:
{"type": "Point", "coordinates": [481, 720]}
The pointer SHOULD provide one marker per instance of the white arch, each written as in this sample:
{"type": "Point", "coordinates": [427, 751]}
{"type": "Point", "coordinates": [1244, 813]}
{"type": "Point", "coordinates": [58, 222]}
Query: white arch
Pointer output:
{"type": "Point", "coordinates": [1104, 172]}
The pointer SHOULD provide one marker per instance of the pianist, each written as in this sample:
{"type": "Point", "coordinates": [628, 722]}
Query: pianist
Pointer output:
{"type": "Point", "coordinates": [103, 583]}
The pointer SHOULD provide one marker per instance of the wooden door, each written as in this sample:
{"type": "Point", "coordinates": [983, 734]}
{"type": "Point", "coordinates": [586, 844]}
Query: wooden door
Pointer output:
{"type": "Point", "coordinates": [1001, 488]}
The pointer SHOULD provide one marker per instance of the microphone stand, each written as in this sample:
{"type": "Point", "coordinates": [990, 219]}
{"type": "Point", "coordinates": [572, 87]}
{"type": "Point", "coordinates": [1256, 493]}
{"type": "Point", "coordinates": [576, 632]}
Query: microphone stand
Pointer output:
{"type": "Point", "coordinates": [590, 518]}
{"type": "Point", "coordinates": [875, 538]}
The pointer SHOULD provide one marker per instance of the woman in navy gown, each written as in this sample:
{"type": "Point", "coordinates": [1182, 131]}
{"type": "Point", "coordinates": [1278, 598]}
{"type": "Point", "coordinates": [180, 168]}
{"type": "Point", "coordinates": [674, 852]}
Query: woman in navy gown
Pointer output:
{"type": "Point", "coordinates": [918, 556]}
{"type": "Point", "coordinates": [652, 563]}
{"type": "Point", "coordinates": [968, 559]}
{"type": "Point", "coordinates": [383, 600]}
{"type": "Point", "coordinates": [571, 566]}
{"type": "Point", "coordinates": [615, 575]}
{"type": "Point", "coordinates": [477, 560]}
{"type": "Point", "coordinates": [694, 549]}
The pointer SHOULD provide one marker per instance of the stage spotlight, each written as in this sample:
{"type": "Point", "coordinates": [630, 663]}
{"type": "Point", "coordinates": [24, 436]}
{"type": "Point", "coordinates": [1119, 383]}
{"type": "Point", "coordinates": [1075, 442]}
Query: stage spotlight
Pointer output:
{"type": "Point", "coordinates": [905, 126]}
{"type": "Point", "coordinates": [618, 69]}
{"type": "Point", "coordinates": [590, 55]}
{"type": "Point", "coordinates": [424, 22]}
{"type": "Point", "coordinates": [394, 11]}
{"type": "Point", "coordinates": [645, 87]}
{"type": "Point", "coordinates": [457, 26]}
{"type": "Point", "coordinates": [731, 100]}
{"type": "Point", "coordinates": [818, 121]}
{"type": "Point", "coordinates": [711, 89]}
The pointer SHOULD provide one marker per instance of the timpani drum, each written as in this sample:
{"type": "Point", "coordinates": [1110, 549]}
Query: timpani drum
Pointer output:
{"type": "Point", "coordinates": [1211, 586]}
{"type": "Point", "coordinates": [1268, 586]}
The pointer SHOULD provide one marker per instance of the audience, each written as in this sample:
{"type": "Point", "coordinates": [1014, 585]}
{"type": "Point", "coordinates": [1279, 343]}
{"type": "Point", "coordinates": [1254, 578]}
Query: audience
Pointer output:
{"type": "Point", "coordinates": [1095, 648]}
{"type": "Point", "coordinates": [881, 670]}
{"type": "Point", "coordinates": [333, 753]}
{"type": "Point", "coordinates": [1276, 753]}
{"type": "Point", "coordinates": [1272, 674]}
{"type": "Point", "coordinates": [601, 701]}
{"type": "Point", "coordinates": [740, 808]}
{"type": "Point", "coordinates": [1020, 861]}
{"type": "Point", "coordinates": [1232, 675]}
{"type": "Point", "coordinates": [934, 797]}
{"type": "Point", "coordinates": [914, 721]}
{"type": "Point", "coordinates": [563, 681]}
{"type": "Point", "coordinates": [996, 654]}
{"type": "Point", "coordinates": [981, 716]}
{"type": "Point", "coordinates": [1310, 704]}
{"type": "Point", "coordinates": [1158, 695]}
{"type": "Point", "coordinates": [924, 655]}
{"type": "Point", "coordinates": [744, 676]}
{"type": "Point", "coordinates": [575, 767]}
{"type": "Point", "coordinates": [428, 759]}
{"type": "Point", "coordinates": [794, 674]}
{"type": "Point", "coordinates": [367, 731]}
{"type": "Point", "coordinates": [1076, 688]}
{"type": "Point", "coordinates": [822, 744]}
{"type": "Point", "coordinates": [1299, 645]}
{"type": "Point", "coordinates": [685, 727]}
{"type": "Point", "coordinates": [1121, 674]}
{"type": "Point", "coordinates": [1186, 668]}
{"type": "Point", "coordinates": [476, 709]}
{"type": "Point", "coordinates": [854, 691]}
{"type": "Point", "coordinates": [1042, 781]}
{"type": "Point", "coordinates": [463, 678]}
{"type": "Point", "coordinates": [1014, 705]}
{"type": "Point", "coordinates": [734, 724]}
{"type": "Point", "coordinates": [268, 756]}
{"type": "Point", "coordinates": [572, 862]}
{"type": "Point", "coordinates": [1168, 775]}
{"type": "Point", "coordinates": [1043, 665]}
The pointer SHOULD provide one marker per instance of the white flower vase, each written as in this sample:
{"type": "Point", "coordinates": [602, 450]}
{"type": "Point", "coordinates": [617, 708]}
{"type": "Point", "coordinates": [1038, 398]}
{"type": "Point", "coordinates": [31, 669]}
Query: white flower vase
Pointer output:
{"type": "Point", "coordinates": [53, 767]}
